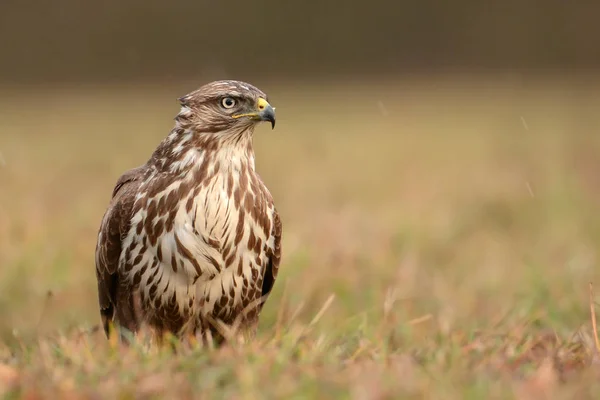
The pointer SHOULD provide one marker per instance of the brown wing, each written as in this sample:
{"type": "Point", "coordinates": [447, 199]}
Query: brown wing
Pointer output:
{"type": "Point", "coordinates": [114, 228]}
{"type": "Point", "coordinates": [274, 257]}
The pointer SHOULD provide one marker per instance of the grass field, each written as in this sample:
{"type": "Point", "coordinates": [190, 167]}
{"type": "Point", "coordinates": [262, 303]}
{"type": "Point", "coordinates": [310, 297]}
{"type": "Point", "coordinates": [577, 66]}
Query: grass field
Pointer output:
{"type": "Point", "coordinates": [439, 240]}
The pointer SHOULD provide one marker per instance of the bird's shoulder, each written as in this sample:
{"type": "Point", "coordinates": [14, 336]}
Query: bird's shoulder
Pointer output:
{"type": "Point", "coordinates": [128, 180]}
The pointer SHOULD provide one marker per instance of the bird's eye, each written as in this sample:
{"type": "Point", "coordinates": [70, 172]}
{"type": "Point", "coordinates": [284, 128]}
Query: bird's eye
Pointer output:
{"type": "Point", "coordinates": [228, 102]}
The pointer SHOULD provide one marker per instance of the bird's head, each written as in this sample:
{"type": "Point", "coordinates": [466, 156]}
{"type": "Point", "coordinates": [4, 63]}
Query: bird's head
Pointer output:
{"type": "Point", "coordinates": [226, 106]}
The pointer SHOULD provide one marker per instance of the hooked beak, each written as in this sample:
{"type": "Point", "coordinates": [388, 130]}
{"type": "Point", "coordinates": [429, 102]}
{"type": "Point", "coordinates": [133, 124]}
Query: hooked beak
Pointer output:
{"type": "Point", "coordinates": [264, 112]}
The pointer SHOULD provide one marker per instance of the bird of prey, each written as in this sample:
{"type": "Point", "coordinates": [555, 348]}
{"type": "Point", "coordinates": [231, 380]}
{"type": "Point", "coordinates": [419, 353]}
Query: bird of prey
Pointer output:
{"type": "Point", "coordinates": [191, 240]}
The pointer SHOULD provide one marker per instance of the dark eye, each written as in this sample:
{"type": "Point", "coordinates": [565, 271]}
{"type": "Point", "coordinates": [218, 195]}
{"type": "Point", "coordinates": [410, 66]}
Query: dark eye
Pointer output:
{"type": "Point", "coordinates": [228, 102]}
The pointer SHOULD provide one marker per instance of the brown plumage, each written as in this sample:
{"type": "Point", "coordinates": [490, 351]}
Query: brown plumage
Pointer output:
{"type": "Point", "coordinates": [191, 240]}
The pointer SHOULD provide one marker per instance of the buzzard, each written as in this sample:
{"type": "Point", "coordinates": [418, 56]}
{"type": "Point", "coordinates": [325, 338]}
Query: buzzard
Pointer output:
{"type": "Point", "coordinates": [191, 241]}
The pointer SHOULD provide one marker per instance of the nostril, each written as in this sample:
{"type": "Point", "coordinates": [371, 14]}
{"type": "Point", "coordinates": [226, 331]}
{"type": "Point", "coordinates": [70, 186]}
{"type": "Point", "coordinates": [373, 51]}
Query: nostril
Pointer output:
{"type": "Point", "coordinates": [261, 107]}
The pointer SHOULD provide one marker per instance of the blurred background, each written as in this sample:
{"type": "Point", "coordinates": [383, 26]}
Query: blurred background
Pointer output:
{"type": "Point", "coordinates": [445, 152]}
{"type": "Point", "coordinates": [160, 42]}
{"type": "Point", "coordinates": [142, 40]}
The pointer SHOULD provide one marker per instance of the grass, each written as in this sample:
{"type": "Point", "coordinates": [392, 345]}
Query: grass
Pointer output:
{"type": "Point", "coordinates": [439, 240]}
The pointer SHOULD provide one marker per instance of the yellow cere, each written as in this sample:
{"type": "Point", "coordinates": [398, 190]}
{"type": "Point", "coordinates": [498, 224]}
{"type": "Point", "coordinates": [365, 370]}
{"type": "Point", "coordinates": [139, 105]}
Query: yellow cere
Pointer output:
{"type": "Point", "coordinates": [262, 104]}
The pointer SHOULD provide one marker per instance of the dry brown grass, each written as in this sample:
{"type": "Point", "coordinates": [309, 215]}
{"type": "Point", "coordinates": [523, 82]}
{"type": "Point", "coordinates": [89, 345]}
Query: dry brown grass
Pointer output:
{"type": "Point", "coordinates": [454, 223]}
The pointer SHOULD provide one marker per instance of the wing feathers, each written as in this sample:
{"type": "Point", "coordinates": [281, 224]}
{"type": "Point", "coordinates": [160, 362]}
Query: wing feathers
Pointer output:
{"type": "Point", "coordinates": [114, 227]}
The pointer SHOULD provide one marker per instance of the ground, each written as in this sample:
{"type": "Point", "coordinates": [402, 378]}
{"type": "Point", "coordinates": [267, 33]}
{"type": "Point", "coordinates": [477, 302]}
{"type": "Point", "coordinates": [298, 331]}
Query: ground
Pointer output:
{"type": "Point", "coordinates": [440, 236]}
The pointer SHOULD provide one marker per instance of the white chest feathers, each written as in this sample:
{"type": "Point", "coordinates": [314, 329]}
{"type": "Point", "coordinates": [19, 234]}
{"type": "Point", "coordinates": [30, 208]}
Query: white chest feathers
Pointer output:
{"type": "Point", "coordinates": [200, 245]}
